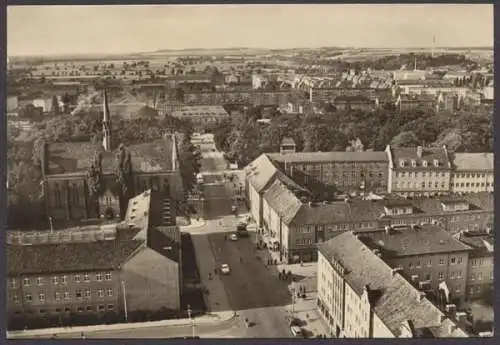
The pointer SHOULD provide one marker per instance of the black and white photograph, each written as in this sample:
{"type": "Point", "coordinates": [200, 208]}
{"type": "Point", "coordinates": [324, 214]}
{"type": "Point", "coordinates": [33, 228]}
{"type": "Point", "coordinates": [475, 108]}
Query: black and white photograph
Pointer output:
{"type": "Point", "coordinates": [300, 171]}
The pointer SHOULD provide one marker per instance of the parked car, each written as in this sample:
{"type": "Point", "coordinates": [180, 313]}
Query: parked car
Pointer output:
{"type": "Point", "coordinates": [234, 237]}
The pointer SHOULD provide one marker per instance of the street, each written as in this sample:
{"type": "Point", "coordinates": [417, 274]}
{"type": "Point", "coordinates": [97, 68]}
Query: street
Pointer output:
{"type": "Point", "coordinates": [252, 289]}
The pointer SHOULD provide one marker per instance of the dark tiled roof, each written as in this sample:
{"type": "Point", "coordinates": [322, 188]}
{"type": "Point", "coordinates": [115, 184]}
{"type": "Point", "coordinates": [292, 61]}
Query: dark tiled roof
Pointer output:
{"type": "Point", "coordinates": [426, 239]}
{"type": "Point", "coordinates": [482, 243]}
{"type": "Point", "coordinates": [77, 157]}
{"type": "Point", "coordinates": [260, 172]}
{"type": "Point", "coordinates": [396, 299]}
{"type": "Point", "coordinates": [68, 257]}
{"type": "Point", "coordinates": [365, 210]}
{"type": "Point", "coordinates": [318, 157]}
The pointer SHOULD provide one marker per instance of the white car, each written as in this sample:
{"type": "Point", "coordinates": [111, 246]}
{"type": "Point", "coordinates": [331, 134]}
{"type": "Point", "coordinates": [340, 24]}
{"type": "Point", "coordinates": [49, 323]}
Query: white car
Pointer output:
{"type": "Point", "coordinates": [233, 237]}
{"type": "Point", "coordinates": [224, 268]}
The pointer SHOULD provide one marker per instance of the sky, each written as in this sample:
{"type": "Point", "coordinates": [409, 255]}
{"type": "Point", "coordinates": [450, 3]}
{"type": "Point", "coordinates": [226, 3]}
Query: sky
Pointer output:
{"type": "Point", "coordinates": [55, 30]}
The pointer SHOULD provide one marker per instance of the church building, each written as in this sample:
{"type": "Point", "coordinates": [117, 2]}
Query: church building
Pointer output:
{"type": "Point", "coordinates": [67, 167]}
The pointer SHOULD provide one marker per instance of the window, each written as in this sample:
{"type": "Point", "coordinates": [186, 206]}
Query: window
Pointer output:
{"type": "Point", "coordinates": [479, 276]}
{"type": "Point", "coordinates": [459, 260]}
{"type": "Point", "coordinates": [26, 281]}
{"type": "Point", "coordinates": [15, 298]}
{"type": "Point", "coordinates": [78, 294]}
{"type": "Point", "coordinates": [110, 292]}
{"type": "Point", "coordinates": [89, 308]}
{"type": "Point", "coordinates": [428, 276]}
{"type": "Point", "coordinates": [64, 279]}
{"type": "Point", "coordinates": [410, 265]}
{"type": "Point", "coordinates": [12, 283]}
{"type": "Point", "coordinates": [429, 263]}
{"type": "Point", "coordinates": [77, 278]}
{"type": "Point", "coordinates": [86, 277]}
{"type": "Point", "coordinates": [441, 275]}
{"type": "Point", "coordinates": [110, 306]}
{"type": "Point", "coordinates": [453, 260]}
{"type": "Point", "coordinates": [58, 310]}
{"type": "Point", "coordinates": [473, 276]}
{"type": "Point", "coordinates": [27, 297]}
{"type": "Point", "coordinates": [418, 264]}
{"type": "Point", "coordinates": [57, 296]}
{"type": "Point", "coordinates": [79, 309]}
{"type": "Point", "coordinates": [55, 280]}
{"type": "Point", "coordinates": [39, 281]}
{"type": "Point", "coordinates": [87, 293]}
{"type": "Point", "coordinates": [41, 297]}
{"type": "Point", "coordinates": [100, 293]}
{"type": "Point", "coordinates": [441, 261]}
{"type": "Point", "coordinates": [42, 311]}
{"type": "Point", "coordinates": [98, 277]}
{"type": "Point", "coordinates": [101, 307]}
{"type": "Point", "coordinates": [459, 274]}
{"type": "Point", "coordinates": [67, 297]}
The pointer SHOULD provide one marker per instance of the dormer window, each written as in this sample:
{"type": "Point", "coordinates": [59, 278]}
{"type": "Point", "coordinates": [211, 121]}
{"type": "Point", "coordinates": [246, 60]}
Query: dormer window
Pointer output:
{"type": "Point", "coordinates": [435, 162]}
{"type": "Point", "coordinates": [424, 164]}
{"type": "Point", "coordinates": [413, 163]}
{"type": "Point", "coordinates": [402, 163]}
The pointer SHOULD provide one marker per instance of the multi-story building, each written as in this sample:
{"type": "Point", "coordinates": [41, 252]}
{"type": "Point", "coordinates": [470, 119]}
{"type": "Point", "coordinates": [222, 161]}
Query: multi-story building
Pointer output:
{"type": "Point", "coordinates": [480, 269]}
{"type": "Point", "coordinates": [360, 296]}
{"type": "Point", "coordinates": [201, 115]}
{"type": "Point", "coordinates": [418, 171]}
{"type": "Point", "coordinates": [347, 171]}
{"type": "Point", "coordinates": [137, 267]}
{"type": "Point", "coordinates": [287, 145]}
{"type": "Point", "coordinates": [472, 172]}
{"type": "Point", "coordinates": [66, 167]}
{"type": "Point", "coordinates": [427, 256]}
{"type": "Point", "coordinates": [301, 227]}
{"type": "Point", "coordinates": [410, 102]}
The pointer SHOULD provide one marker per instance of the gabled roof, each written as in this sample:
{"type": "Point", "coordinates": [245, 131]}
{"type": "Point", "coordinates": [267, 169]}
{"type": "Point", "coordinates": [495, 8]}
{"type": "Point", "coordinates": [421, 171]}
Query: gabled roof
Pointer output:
{"type": "Point", "coordinates": [76, 157]}
{"type": "Point", "coordinates": [428, 154]}
{"type": "Point", "coordinates": [282, 201]}
{"type": "Point", "coordinates": [396, 299]}
{"type": "Point", "coordinates": [68, 257]}
{"type": "Point", "coordinates": [260, 172]}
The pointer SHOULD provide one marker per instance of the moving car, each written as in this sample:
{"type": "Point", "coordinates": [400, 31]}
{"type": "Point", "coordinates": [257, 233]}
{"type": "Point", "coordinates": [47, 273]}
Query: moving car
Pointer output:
{"type": "Point", "coordinates": [224, 268]}
{"type": "Point", "coordinates": [241, 230]}
{"type": "Point", "coordinates": [233, 237]}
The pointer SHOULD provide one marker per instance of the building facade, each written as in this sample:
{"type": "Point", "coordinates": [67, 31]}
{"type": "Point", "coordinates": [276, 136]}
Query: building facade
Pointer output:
{"type": "Point", "coordinates": [419, 171]}
{"type": "Point", "coordinates": [473, 172]}
{"type": "Point", "coordinates": [360, 296]}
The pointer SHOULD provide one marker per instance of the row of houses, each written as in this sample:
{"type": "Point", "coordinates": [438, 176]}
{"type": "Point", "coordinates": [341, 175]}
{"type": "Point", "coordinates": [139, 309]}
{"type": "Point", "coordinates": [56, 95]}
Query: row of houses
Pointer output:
{"type": "Point", "coordinates": [297, 220]}
{"type": "Point", "coordinates": [406, 283]}
{"type": "Point", "coordinates": [132, 266]}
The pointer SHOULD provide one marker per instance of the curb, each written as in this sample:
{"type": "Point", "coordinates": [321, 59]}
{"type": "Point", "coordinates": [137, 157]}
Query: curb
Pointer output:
{"type": "Point", "coordinates": [203, 320]}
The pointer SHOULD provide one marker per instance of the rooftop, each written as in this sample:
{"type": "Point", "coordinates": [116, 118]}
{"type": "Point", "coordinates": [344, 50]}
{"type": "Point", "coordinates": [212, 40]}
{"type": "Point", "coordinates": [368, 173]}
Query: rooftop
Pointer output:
{"type": "Point", "coordinates": [408, 154]}
{"type": "Point", "coordinates": [77, 157]}
{"type": "Point", "coordinates": [424, 239]}
{"type": "Point", "coordinates": [320, 157]}
{"type": "Point", "coordinates": [394, 299]}
{"type": "Point", "coordinates": [473, 161]}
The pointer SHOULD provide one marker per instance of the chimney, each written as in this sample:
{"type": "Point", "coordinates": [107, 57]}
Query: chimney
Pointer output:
{"type": "Point", "coordinates": [419, 151]}
{"type": "Point", "coordinates": [452, 327]}
{"type": "Point", "coordinates": [396, 270]}
{"type": "Point", "coordinates": [421, 296]}
{"type": "Point", "coordinates": [442, 317]}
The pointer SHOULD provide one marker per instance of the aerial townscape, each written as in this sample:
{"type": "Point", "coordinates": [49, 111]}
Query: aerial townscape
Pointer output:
{"type": "Point", "coordinates": [178, 192]}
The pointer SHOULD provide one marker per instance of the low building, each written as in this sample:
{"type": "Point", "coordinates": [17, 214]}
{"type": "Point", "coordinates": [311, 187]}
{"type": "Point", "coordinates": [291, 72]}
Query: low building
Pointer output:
{"type": "Point", "coordinates": [473, 172]}
{"type": "Point", "coordinates": [411, 102]}
{"type": "Point", "coordinates": [201, 115]}
{"type": "Point", "coordinates": [287, 146]}
{"type": "Point", "coordinates": [104, 276]}
{"type": "Point", "coordinates": [354, 103]}
{"type": "Point", "coordinates": [480, 270]}
{"type": "Point", "coordinates": [419, 171]}
{"type": "Point", "coordinates": [427, 256]}
{"type": "Point", "coordinates": [346, 171]}
{"type": "Point", "coordinates": [360, 296]}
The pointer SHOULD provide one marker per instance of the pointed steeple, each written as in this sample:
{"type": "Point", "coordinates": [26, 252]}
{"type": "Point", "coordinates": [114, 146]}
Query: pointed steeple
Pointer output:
{"type": "Point", "coordinates": [106, 124]}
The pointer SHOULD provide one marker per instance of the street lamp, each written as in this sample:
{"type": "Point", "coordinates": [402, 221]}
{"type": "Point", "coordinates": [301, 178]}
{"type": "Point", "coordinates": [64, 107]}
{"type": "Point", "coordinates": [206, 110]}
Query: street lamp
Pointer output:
{"type": "Point", "coordinates": [193, 325]}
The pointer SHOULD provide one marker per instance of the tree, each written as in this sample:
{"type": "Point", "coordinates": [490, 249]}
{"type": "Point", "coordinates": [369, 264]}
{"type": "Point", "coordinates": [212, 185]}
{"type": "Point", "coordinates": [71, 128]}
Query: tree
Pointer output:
{"type": "Point", "coordinates": [405, 139]}
{"type": "Point", "coordinates": [189, 163]}
{"type": "Point", "coordinates": [147, 112]}
{"type": "Point", "coordinates": [94, 176]}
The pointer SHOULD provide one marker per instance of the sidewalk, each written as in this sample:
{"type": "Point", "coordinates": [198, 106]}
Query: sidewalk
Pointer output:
{"type": "Point", "coordinates": [202, 320]}
{"type": "Point", "coordinates": [305, 310]}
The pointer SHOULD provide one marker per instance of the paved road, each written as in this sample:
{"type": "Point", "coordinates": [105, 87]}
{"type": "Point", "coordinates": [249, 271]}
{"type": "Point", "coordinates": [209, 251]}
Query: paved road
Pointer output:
{"type": "Point", "coordinates": [252, 289]}
{"type": "Point", "coordinates": [226, 329]}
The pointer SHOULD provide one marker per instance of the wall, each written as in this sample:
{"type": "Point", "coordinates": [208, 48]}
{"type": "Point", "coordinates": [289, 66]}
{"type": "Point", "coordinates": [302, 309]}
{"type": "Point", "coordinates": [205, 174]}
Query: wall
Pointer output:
{"type": "Point", "coordinates": [472, 181]}
{"type": "Point", "coordinates": [151, 281]}
{"type": "Point", "coordinates": [479, 276]}
{"type": "Point", "coordinates": [357, 314]}
{"type": "Point", "coordinates": [255, 204]}
{"type": "Point", "coordinates": [99, 295]}
{"type": "Point", "coordinates": [420, 182]}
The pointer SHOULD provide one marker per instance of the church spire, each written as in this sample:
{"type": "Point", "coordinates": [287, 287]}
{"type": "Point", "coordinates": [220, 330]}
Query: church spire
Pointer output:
{"type": "Point", "coordinates": [106, 124]}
